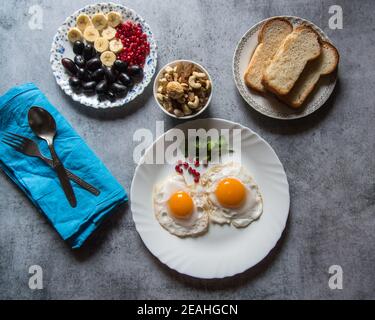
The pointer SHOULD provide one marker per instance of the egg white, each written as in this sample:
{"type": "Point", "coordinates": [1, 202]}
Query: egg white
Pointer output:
{"type": "Point", "coordinates": [196, 224]}
{"type": "Point", "coordinates": [250, 210]}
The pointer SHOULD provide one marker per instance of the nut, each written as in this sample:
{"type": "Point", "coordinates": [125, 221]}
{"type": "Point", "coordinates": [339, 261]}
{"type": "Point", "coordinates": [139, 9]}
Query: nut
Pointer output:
{"type": "Point", "coordinates": [181, 100]}
{"type": "Point", "coordinates": [186, 110]}
{"type": "Point", "coordinates": [169, 69]}
{"type": "Point", "coordinates": [193, 83]}
{"type": "Point", "coordinates": [163, 81]}
{"type": "Point", "coordinates": [188, 69]}
{"type": "Point", "coordinates": [183, 89]}
{"type": "Point", "coordinates": [167, 104]}
{"type": "Point", "coordinates": [178, 68]}
{"type": "Point", "coordinates": [175, 90]}
{"type": "Point", "coordinates": [182, 80]}
{"type": "Point", "coordinates": [208, 84]}
{"type": "Point", "coordinates": [194, 104]}
{"type": "Point", "coordinates": [185, 86]}
{"type": "Point", "coordinates": [199, 75]}
{"type": "Point", "coordinates": [160, 97]}
{"type": "Point", "coordinates": [178, 112]}
{"type": "Point", "coordinates": [191, 96]}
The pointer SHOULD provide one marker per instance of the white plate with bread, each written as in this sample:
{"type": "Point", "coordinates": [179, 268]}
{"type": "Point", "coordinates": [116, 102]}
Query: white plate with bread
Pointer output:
{"type": "Point", "coordinates": [285, 67]}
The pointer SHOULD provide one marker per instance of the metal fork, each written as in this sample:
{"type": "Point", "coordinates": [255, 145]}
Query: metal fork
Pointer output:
{"type": "Point", "coordinates": [30, 148]}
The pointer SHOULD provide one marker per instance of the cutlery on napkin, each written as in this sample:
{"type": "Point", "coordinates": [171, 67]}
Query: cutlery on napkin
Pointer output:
{"type": "Point", "coordinates": [41, 184]}
{"type": "Point", "coordinates": [30, 148]}
{"type": "Point", "coordinates": [43, 125]}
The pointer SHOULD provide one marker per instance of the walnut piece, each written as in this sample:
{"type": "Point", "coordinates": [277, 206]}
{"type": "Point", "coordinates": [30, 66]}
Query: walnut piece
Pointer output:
{"type": "Point", "coordinates": [175, 90]}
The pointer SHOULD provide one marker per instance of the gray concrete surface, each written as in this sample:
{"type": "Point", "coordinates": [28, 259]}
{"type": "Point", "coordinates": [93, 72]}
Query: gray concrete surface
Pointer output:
{"type": "Point", "coordinates": [328, 157]}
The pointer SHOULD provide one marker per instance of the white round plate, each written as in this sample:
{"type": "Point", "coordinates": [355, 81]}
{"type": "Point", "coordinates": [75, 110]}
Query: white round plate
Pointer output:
{"type": "Point", "coordinates": [224, 250]}
{"type": "Point", "coordinates": [268, 104]}
{"type": "Point", "coordinates": [62, 48]}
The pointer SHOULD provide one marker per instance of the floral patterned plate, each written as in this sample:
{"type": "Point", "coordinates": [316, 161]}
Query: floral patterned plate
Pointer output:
{"type": "Point", "coordinates": [61, 47]}
{"type": "Point", "coordinates": [268, 104]}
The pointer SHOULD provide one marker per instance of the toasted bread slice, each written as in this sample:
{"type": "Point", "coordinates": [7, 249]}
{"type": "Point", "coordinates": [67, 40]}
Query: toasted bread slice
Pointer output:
{"type": "Point", "coordinates": [271, 35]}
{"type": "Point", "coordinates": [298, 48]}
{"type": "Point", "coordinates": [325, 64]}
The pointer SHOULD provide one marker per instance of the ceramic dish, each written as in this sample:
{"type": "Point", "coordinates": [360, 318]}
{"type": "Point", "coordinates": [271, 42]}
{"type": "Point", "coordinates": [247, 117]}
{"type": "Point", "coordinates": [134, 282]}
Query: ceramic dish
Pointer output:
{"type": "Point", "coordinates": [159, 75]}
{"type": "Point", "coordinates": [61, 47]}
{"type": "Point", "coordinates": [224, 250]}
{"type": "Point", "coordinates": [267, 104]}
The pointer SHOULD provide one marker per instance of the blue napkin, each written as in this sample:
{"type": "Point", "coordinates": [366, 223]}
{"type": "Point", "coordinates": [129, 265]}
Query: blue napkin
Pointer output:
{"type": "Point", "coordinates": [40, 182]}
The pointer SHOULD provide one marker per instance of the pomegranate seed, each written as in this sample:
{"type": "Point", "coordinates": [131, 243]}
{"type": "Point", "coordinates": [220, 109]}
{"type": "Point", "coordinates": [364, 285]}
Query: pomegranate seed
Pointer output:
{"type": "Point", "coordinates": [196, 163]}
{"type": "Point", "coordinates": [136, 47]}
{"type": "Point", "coordinates": [186, 165]}
{"type": "Point", "coordinates": [190, 170]}
{"type": "Point", "coordinates": [196, 179]}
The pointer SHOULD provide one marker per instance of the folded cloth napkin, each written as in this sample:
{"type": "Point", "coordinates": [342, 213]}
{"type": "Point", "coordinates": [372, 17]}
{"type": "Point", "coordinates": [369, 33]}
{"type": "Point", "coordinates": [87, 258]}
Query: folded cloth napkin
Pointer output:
{"type": "Point", "coordinates": [40, 182]}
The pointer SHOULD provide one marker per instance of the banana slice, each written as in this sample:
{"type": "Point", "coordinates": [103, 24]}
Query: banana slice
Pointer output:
{"type": "Point", "coordinates": [114, 19]}
{"type": "Point", "coordinates": [108, 58]}
{"type": "Point", "coordinates": [74, 34]}
{"type": "Point", "coordinates": [91, 34]}
{"type": "Point", "coordinates": [115, 45]}
{"type": "Point", "coordinates": [109, 33]}
{"type": "Point", "coordinates": [101, 44]}
{"type": "Point", "coordinates": [83, 21]}
{"type": "Point", "coordinates": [99, 21]}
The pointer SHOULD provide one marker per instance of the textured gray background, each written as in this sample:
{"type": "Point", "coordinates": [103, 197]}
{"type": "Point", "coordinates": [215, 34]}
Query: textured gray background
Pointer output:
{"type": "Point", "coordinates": [328, 157]}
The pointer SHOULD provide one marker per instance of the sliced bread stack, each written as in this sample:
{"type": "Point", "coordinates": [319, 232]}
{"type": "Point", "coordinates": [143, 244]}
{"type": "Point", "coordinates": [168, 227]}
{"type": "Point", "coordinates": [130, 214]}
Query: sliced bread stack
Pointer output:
{"type": "Point", "coordinates": [289, 62]}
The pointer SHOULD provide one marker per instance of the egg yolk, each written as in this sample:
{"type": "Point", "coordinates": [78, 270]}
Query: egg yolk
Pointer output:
{"type": "Point", "coordinates": [181, 204]}
{"type": "Point", "coordinates": [230, 193]}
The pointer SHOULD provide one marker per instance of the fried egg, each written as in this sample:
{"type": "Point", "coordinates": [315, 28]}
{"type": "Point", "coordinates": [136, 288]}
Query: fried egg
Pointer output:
{"type": "Point", "coordinates": [233, 196]}
{"type": "Point", "coordinates": [180, 208]}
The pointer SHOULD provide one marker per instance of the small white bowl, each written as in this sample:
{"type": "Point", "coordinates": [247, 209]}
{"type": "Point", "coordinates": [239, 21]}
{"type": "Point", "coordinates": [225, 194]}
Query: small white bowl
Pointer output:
{"type": "Point", "coordinates": [173, 64]}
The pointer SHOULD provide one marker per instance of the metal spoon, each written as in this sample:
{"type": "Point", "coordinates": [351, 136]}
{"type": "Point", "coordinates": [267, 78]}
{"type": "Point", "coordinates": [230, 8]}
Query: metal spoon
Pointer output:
{"type": "Point", "coordinates": [44, 126]}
